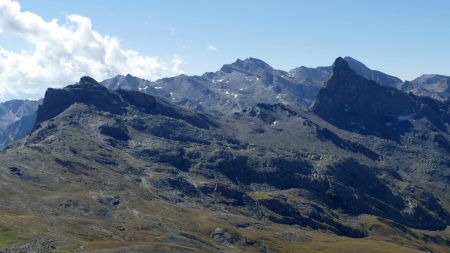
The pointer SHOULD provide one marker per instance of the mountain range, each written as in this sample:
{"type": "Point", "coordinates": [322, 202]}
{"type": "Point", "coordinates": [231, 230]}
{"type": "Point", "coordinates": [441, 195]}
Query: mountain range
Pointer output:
{"type": "Point", "coordinates": [233, 88]}
{"type": "Point", "coordinates": [247, 82]}
{"type": "Point", "coordinates": [246, 159]}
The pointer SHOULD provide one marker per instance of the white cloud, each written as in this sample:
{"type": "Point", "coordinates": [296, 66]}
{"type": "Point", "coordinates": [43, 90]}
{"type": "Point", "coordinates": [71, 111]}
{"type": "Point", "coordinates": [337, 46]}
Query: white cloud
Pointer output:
{"type": "Point", "coordinates": [63, 52]}
{"type": "Point", "coordinates": [211, 48]}
{"type": "Point", "coordinates": [177, 62]}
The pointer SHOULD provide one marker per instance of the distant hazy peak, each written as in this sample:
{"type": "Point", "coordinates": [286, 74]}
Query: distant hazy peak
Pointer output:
{"type": "Point", "coordinates": [248, 65]}
{"type": "Point", "coordinates": [431, 78]}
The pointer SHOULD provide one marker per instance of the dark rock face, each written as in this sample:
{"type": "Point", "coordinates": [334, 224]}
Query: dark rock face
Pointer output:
{"type": "Point", "coordinates": [348, 185]}
{"type": "Point", "coordinates": [359, 190]}
{"type": "Point", "coordinates": [15, 171]}
{"type": "Point", "coordinates": [350, 176]}
{"type": "Point", "coordinates": [280, 172]}
{"type": "Point", "coordinates": [153, 105]}
{"type": "Point", "coordinates": [325, 134]}
{"type": "Point", "coordinates": [179, 184]}
{"type": "Point", "coordinates": [442, 143]}
{"type": "Point", "coordinates": [87, 91]}
{"type": "Point", "coordinates": [118, 133]}
{"type": "Point", "coordinates": [91, 93]}
{"type": "Point", "coordinates": [354, 103]}
{"type": "Point", "coordinates": [288, 214]}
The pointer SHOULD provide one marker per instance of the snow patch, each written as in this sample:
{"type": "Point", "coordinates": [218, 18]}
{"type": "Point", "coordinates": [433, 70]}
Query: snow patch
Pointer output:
{"type": "Point", "coordinates": [144, 88]}
{"type": "Point", "coordinates": [231, 94]}
{"type": "Point", "coordinates": [405, 117]}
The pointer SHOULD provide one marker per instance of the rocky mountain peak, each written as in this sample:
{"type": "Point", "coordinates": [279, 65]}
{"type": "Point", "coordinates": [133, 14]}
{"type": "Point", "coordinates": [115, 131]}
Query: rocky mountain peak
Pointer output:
{"type": "Point", "coordinates": [357, 65]}
{"type": "Point", "coordinates": [340, 65]}
{"type": "Point", "coordinates": [312, 76]}
{"type": "Point", "coordinates": [429, 85]}
{"type": "Point", "coordinates": [127, 82]}
{"type": "Point", "coordinates": [431, 78]}
{"type": "Point", "coordinates": [131, 78]}
{"type": "Point", "coordinates": [374, 75]}
{"type": "Point", "coordinates": [355, 103]}
{"type": "Point", "coordinates": [86, 83]}
{"type": "Point", "coordinates": [87, 91]}
{"type": "Point", "coordinates": [87, 80]}
{"type": "Point", "coordinates": [91, 93]}
{"type": "Point", "coordinates": [250, 65]}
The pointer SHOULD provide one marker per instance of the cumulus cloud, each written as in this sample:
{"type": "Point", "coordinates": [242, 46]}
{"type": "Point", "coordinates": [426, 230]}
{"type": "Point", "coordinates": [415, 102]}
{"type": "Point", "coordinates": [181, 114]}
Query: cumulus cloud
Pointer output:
{"type": "Point", "coordinates": [176, 67]}
{"type": "Point", "coordinates": [211, 48]}
{"type": "Point", "coordinates": [63, 52]}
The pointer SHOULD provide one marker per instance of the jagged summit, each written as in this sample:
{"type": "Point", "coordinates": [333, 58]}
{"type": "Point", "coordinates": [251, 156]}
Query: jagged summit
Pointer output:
{"type": "Point", "coordinates": [339, 65]}
{"type": "Point", "coordinates": [127, 82]}
{"type": "Point", "coordinates": [341, 71]}
{"type": "Point", "coordinates": [248, 65]}
{"type": "Point", "coordinates": [250, 81]}
{"type": "Point", "coordinates": [88, 80]}
{"type": "Point", "coordinates": [91, 93]}
{"type": "Point", "coordinates": [355, 103]}
{"type": "Point", "coordinates": [87, 91]}
{"type": "Point", "coordinates": [374, 75]}
{"type": "Point", "coordinates": [245, 83]}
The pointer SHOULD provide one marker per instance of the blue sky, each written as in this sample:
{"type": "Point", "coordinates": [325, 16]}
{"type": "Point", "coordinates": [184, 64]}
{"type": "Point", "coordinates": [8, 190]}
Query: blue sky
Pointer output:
{"type": "Point", "coordinates": [405, 38]}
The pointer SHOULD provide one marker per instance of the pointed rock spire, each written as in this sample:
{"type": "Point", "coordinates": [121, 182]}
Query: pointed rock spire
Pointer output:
{"type": "Point", "coordinates": [355, 103]}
